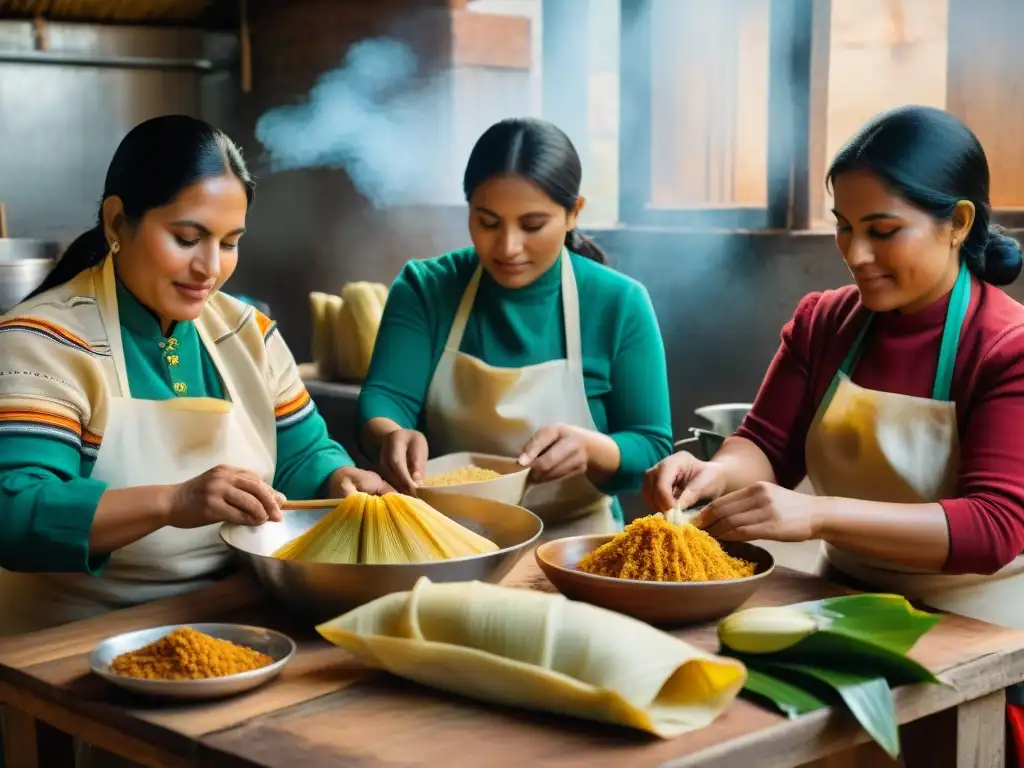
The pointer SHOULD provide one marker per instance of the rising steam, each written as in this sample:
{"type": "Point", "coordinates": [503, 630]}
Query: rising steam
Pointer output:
{"type": "Point", "coordinates": [375, 117]}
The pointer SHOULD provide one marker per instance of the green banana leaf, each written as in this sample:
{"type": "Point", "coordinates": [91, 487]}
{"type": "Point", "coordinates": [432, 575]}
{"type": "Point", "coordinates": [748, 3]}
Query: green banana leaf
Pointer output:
{"type": "Point", "coordinates": [855, 659]}
{"type": "Point", "coordinates": [866, 635]}
{"type": "Point", "coordinates": [888, 621]}
{"type": "Point", "coordinates": [766, 689]}
{"type": "Point", "coordinates": [868, 698]}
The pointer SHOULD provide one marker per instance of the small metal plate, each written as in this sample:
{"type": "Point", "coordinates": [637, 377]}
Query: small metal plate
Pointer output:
{"type": "Point", "coordinates": [278, 646]}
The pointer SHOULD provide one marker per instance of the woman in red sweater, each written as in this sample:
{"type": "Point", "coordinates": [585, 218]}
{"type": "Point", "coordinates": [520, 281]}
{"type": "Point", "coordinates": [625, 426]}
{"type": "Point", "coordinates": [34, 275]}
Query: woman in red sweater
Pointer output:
{"type": "Point", "coordinates": [901, 398]}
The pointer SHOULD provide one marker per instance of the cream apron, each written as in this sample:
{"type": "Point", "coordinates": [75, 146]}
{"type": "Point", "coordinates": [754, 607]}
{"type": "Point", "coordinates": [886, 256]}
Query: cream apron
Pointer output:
{"type": "Point", "coordinates": [473, 406]}
{"type": "Point", "coordinates": [880, 446]}
{"type": "Point", "coordinates": [149, 442]}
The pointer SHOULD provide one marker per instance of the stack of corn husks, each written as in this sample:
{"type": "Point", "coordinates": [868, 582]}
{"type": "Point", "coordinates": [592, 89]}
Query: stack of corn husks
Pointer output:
{"type": "Point", "coordinates": [384, 530]}
{"type": "Point", "coordinates": [345, 329]}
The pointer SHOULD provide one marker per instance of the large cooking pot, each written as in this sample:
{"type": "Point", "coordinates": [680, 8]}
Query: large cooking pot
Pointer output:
{"type": "Point", "coordinates": [23, 265]}
{"type": "Point", "coordinates": [724, 418]}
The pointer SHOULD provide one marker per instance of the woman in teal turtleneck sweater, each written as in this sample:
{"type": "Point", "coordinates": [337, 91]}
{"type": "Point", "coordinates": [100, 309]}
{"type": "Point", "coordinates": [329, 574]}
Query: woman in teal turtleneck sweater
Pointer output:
{"type": "Point", "coordinates": [493, 349]}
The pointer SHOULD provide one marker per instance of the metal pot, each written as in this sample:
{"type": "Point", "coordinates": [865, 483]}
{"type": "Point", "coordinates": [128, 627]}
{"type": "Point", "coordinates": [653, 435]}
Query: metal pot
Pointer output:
{"type": "Point", "coordinates": [704, 444]}
{"type": "Point", "coordinates": [724, 418]}
{"type": "Point", "coordinates": [23, 265]}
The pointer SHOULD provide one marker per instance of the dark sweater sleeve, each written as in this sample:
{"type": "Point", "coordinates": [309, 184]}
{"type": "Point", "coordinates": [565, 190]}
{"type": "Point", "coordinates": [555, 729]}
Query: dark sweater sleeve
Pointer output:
{"type": "Point", "coordinates": [986, 520]}
{"type": "Point", "coordinates": [783, 410]}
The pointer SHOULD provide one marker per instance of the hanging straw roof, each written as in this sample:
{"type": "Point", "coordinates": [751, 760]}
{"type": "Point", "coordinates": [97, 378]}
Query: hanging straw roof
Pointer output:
{"type": "Point", "coordinates": [180, 12]}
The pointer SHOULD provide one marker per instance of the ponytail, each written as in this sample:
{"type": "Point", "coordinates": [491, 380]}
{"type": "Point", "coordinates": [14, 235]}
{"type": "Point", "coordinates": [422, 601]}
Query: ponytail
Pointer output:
{"type": "Point", "coordinates": [585, 246]}
{"type": "Point", "coordinates": [995, 257]}
{"type": "Point", "coordinates": [88, 250]}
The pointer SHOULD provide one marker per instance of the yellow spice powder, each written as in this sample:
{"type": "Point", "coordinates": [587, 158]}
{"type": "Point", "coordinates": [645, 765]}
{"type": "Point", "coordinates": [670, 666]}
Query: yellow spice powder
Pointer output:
{"type": "Point", "coordinates": [653, 549]}
{"type": "Point", "coordinates": [470, 474]}
{"type": "Point", "coordinates": [186, 654]}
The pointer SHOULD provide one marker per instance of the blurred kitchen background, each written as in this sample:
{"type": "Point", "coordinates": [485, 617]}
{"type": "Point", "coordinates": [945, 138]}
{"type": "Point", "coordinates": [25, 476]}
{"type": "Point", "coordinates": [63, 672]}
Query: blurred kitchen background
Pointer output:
{"type": "Point", "coordinates": [704, 127]}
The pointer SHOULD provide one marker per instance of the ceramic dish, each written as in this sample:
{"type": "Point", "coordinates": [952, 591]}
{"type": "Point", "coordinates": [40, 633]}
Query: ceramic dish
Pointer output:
{"type": "Point", "coordinates": [508, 489]}
{"type": "Point", "coordinates": [656, 602]}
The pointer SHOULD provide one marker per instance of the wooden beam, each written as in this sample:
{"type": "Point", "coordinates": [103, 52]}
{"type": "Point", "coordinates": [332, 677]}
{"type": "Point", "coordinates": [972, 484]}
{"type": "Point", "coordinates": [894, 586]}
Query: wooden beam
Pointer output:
{"type": "Point", "coordinates": [817, 144]}
{"type": "Point", "coordinates": [565, 69]}
{"type": "Point", "coordinates": [789, 104]}
{"type": "Point", "coordinates": [635, 74]}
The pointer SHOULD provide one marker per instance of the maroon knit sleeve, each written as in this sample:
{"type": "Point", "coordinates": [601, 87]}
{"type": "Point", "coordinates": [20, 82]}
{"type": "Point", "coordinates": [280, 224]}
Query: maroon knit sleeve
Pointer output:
{"type": "Point", "coordinates": [778, 422]}
{"type": "Point", "coordinates": [986, 520]}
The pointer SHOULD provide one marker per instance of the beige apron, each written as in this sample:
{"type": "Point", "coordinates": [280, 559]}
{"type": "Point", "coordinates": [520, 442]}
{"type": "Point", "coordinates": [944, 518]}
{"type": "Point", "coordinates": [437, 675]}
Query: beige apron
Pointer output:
{"type": "Point", "coordinates": [149, 442]}
{"type": "Point", "coordinates": [885, 447]}
{"type": "Point", "coordinates": [473, 406]}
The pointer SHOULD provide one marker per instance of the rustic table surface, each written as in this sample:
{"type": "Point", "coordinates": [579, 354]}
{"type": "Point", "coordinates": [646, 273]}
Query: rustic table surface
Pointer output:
{"type": "Point", "coordinates": [325, 710]}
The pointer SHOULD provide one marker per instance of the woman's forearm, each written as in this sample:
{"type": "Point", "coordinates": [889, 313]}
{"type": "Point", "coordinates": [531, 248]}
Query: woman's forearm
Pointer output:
{"type": "Point", "coordinates": [915, 535]}
{"type": "Point", "coordinates": [126, 515]}
{"type": "Point", "coordinates": [603, 456]}
{"type": "Point", "coordinates": [744, 464]}
{"type": "Point", "coordinates": [374, 432]}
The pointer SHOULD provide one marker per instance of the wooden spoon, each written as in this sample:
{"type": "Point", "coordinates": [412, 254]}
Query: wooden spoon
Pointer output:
{"type": "Point", "coordinates": [311, 504]}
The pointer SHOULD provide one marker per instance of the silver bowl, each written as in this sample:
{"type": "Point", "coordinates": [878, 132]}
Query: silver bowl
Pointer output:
{"type": "Point", "coordinates": [322, 591]}
{"type": "Point", "coordinates": [277, 646]}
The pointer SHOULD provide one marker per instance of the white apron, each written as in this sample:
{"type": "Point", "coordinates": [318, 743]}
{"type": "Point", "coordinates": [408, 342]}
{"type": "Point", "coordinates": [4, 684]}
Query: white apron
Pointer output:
{"type": "Point", "coordinates": [885, 447]}
{"type": "Point", "coordinates": [149, 442]}
{"type": "Point", "coordinates": [473, 406]}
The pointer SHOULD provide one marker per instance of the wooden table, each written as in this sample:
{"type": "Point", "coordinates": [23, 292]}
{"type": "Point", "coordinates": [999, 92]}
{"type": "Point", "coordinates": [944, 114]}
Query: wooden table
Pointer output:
{"type": "Point", "coordinates": [325, 710]}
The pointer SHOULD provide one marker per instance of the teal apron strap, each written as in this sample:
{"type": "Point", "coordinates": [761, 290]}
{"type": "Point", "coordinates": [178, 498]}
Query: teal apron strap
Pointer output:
{"type": "Point", "coordinates": [848, 364]}
{"type": "Point", "coordinates": [959, 300]}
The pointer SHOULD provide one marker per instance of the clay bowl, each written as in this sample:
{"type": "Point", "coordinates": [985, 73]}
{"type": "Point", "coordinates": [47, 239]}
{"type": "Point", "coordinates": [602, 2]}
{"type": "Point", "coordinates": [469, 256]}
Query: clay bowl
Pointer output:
{"type": "Point", "coordinates": [508, 489]}
{"type": "Point", "coordinates": [655, 602]}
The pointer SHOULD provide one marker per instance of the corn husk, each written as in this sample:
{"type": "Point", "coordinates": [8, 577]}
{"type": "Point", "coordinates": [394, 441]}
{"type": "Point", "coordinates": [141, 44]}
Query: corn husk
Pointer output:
{"type": "Point", "coordinates": [389, 529]}
{"type": "Point", "coordinates": [359, 322]}
{"type": "Point", "coordinates": [850, 650]}
{"type": "Point", "coordinates": [345, 329]}
{"type": "Point", "coordinates": [535, 650]}
{"type": "Point", "coordinates": [322, 340]}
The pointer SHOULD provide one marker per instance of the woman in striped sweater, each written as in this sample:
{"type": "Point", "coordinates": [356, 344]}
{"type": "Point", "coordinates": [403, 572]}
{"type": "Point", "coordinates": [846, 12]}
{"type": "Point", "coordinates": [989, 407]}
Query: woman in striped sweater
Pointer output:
{"type": "Point", "coordinates": [140, 407]}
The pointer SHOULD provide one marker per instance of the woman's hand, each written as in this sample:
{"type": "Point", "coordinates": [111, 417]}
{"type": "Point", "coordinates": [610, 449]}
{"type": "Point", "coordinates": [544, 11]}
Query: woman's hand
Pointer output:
{"type": "Point", "coordinates": [555, 452]}
{"type": "Point", "coordinates": [403, 459]}
{"type": "Point", "coordinates": [349, 480]}
{"type": "Point", "coordinates": [223, 495]}
{"type": "Point", "coordinates": [762, 511]}
{"type": "Point", "coordinates": [681, 480]}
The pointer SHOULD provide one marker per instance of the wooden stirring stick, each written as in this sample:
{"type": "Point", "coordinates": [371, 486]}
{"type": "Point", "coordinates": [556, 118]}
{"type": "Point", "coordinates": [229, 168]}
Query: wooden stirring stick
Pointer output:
{"type": "Point", "coordinates": [311, 504]}
{"type": "Point", "coordinates": [3, 221]}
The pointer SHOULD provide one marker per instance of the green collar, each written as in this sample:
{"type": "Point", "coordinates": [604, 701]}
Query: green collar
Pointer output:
{"type": "Point", "coordinates": [141, 322]}
{"type": "Point", "coordinates": [546, 285]}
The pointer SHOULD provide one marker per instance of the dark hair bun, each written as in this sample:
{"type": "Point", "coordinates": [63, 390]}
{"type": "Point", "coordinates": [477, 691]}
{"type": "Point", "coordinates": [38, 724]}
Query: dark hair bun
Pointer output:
{"type": "Point", "coordinates": [1002, 260]}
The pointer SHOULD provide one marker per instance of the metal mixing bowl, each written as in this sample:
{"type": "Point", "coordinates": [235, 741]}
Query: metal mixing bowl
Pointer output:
{"type": "Point", "coordinates": [24, 264]}
{"type": "Point", "coordinates": [322, 591]}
